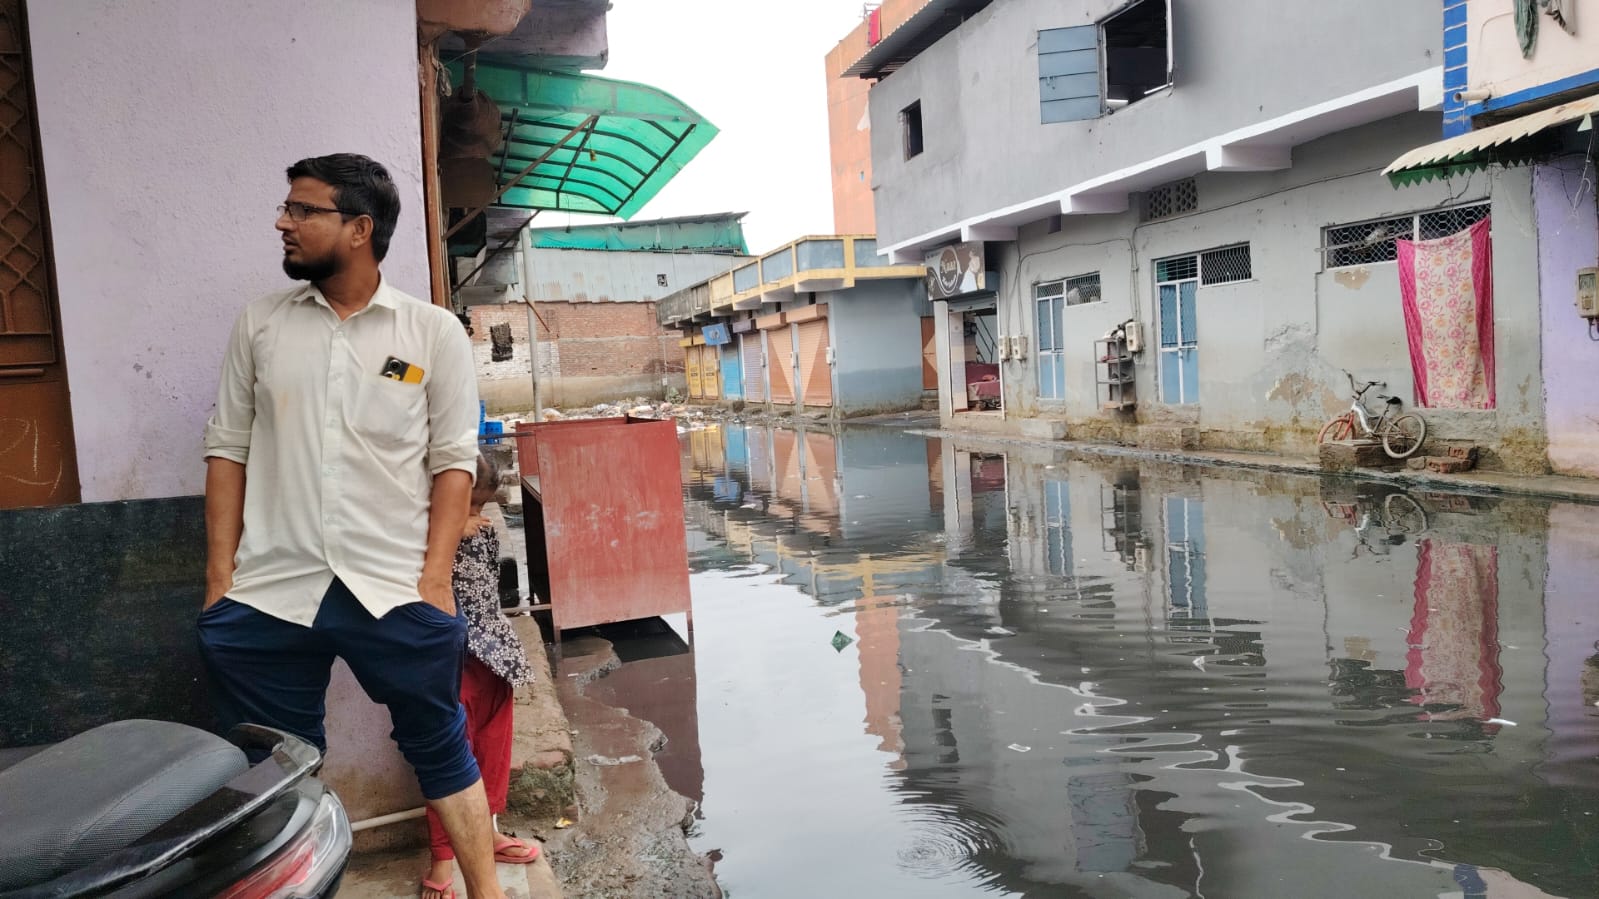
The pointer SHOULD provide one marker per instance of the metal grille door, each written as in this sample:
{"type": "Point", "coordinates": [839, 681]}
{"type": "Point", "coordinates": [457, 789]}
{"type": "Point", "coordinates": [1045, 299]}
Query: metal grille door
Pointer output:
{"type": "Point", "coordinates": [815, 375]}
{"type": "Point", "coordinates": [780, 363]}
{"type": "Point", "coordinates": [37, 459]}
{"type": "Point", "coordinates": [754, 349]}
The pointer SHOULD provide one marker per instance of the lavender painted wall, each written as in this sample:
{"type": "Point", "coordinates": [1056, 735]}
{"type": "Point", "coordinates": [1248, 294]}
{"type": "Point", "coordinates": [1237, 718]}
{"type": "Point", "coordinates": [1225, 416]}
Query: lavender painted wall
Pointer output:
{"type": "Point", "coordinates": [1571, 628]}
{"type": "Point", "coordinates": [1568, 239]}
{"type": "Point", "coordinates": [166, 126]}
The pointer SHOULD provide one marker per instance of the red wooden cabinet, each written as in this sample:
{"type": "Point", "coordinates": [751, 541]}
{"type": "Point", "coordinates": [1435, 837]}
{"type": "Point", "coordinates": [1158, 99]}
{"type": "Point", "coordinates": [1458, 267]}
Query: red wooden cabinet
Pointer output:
{"type": "Point", "coordinates": [603, 506]}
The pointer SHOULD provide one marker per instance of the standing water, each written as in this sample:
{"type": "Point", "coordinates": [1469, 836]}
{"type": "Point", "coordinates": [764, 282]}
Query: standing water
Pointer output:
{"type": "Point", "coordinates": [921, 670]}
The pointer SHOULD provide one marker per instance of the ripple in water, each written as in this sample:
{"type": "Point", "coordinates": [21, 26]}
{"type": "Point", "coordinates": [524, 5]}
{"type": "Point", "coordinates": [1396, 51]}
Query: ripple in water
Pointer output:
{"type": "Point", "coordinates": [943, 843]}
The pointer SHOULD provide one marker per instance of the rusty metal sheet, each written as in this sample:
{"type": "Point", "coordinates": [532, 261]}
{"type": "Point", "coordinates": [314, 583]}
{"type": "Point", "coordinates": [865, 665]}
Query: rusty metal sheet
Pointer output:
{"type": "Point", "coordinates": [527, 434]}
{"type": "Point", "coordinates": [612, 510]}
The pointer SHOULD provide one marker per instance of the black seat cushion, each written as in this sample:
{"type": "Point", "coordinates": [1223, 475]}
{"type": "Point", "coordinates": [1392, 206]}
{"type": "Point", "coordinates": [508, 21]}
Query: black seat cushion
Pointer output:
{"type": "Point", "coordinates": [102, 790]}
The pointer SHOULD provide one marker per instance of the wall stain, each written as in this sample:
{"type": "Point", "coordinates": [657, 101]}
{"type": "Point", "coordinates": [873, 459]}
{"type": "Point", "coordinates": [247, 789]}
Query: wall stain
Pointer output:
{"type": "Point", "coordinates": [1352, 278]}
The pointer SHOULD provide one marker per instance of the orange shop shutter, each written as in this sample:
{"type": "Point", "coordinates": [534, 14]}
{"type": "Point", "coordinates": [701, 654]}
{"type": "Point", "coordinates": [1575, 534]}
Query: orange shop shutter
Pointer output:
{"type": "Point", "coordinates": [780, 363]}
{"type": "Point", "coordinates": [816, 376]}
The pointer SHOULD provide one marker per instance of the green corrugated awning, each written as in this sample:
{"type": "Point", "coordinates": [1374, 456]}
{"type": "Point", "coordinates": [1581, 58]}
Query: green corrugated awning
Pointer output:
{"type": "Point", "coordinates": [633, 139]}
{"type": "Point", "coordinates": [1507, 143]}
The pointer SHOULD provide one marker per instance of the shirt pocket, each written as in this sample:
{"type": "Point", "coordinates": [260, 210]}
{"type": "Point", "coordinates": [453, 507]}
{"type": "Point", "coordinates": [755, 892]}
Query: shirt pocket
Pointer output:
{"type": "Point", "coordinates": [390, 411]}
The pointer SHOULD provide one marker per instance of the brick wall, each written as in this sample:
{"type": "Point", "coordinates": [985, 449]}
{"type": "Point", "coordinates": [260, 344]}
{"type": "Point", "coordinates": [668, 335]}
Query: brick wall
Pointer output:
{"type": "Point", "coordinates": [618, 344]}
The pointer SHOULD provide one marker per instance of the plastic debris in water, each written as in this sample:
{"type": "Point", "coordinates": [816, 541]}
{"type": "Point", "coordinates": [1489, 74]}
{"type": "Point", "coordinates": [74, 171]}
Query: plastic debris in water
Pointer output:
{"type": "Point", "coordinates": [1500, 721]}
{"type": "Point", "coordinates": [840, 640]}
{"type": "Point", "coordinates": [1017, 747]}
{"type": "Point", "coordinates": [564, 823]}
{"type": "Point", "coordinates": [1000, 631]}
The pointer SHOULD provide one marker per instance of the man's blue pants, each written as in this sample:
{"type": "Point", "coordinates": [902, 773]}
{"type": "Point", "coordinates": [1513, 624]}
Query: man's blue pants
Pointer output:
{"type": "Point", "coordinates": [264, 670]}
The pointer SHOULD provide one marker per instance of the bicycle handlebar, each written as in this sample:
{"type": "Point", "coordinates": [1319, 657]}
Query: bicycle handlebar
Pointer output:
{"type": "Point", "coordinates": [1361, 390]}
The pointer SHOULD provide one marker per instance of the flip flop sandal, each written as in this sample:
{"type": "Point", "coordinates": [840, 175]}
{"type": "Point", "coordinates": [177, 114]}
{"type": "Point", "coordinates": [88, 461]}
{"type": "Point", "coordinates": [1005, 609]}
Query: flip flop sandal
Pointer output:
{"type": "Point", "coordinates": [445, 889]}
{"type": "Point", "coordinates": [504, 858]}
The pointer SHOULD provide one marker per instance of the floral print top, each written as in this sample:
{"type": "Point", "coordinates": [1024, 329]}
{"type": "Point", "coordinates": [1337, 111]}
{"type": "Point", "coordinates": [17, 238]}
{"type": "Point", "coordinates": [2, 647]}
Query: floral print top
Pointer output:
{"type": "Point", "coordinates": [489, 637]}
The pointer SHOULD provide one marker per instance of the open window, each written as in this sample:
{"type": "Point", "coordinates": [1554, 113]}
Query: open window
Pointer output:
{"type": "Point", "coordinates": [1137, 42]}
{"type": "Point", "coordinates": [910, 120]}
{"type": "Point", "coordinates": [1086, 70]}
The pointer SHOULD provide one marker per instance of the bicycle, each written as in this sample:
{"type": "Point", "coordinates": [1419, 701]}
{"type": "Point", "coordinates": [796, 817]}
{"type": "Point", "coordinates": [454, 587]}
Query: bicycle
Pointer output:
{"type": "Point", "coordinates": [1401, 434]}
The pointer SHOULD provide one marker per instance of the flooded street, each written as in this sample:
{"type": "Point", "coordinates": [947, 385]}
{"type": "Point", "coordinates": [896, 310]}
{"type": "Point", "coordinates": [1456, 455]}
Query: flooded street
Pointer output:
{"type": "Point", "coordinates": [925, 671]}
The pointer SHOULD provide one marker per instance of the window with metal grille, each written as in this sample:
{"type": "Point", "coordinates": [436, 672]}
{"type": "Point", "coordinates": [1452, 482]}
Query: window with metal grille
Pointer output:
{"type": "Point", "coordinates": [1171, 199]}
{"type": "Point", "coordinates": [1364, 243]}
{"type": "Point", "coordinates": [1082, 290]}
{"type": "Point", "coordinates": [1225, 266]}
{"type": "Point", "coordinates": [1177, 268]}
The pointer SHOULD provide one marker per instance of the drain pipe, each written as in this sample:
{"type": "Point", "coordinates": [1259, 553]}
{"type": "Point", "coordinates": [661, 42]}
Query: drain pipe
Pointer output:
{"type": "Point", "coordinates": [408, 815]}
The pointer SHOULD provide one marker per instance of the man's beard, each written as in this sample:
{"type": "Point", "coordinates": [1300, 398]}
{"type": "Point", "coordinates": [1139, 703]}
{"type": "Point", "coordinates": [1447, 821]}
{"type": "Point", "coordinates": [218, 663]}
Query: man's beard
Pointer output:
{"type": "Point", "coordinates": [312, 270]}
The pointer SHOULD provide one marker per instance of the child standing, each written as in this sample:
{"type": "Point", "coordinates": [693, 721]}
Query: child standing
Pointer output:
{"type": "Point", "coordinates": [495, 666]}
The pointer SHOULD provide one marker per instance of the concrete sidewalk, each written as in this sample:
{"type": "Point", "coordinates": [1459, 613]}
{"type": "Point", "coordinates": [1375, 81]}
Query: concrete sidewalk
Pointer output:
{"type": "Point", "coordinates": [1482, 483]}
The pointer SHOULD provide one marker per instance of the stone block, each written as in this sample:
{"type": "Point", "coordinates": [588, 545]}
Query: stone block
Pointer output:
{"type": "Point", "coordinates": [1042, 428]}
{"type": "Point", "coordinates": [1416, 463]}
{"type": "Point", "coordinates": [1348, 455]}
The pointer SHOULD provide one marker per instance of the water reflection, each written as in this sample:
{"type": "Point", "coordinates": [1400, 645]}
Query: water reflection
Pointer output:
{"type": "Point", "coordinates": [1099, 678]}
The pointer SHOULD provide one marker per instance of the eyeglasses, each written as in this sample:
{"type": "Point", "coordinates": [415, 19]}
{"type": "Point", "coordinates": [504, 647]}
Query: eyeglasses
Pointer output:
{"type": "Point", "coordinates": [299, 212]}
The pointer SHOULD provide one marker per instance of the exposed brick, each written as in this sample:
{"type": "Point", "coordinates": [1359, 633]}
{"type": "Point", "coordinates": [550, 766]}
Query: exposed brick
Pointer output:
{"type": "Point", "coordinates": [592, 340]}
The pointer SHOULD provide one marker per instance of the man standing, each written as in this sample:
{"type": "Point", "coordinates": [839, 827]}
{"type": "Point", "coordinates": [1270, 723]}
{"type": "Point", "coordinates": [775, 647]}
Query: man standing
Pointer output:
{"type": "Point", "coordinates": [338, 468]}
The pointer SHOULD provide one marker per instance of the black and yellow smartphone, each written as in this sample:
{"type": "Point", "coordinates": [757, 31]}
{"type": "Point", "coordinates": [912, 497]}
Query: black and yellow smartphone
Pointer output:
{"type": "Point", "coordinates": [396, 369]}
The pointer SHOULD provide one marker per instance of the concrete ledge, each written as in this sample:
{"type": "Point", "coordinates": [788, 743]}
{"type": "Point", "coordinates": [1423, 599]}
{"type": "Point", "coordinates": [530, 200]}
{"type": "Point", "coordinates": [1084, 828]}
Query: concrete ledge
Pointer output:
{"type": "Point", "coordinates": [1167, 437]}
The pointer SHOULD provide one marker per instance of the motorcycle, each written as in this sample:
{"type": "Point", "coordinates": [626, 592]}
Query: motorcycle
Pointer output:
{"type": "Point", "coordinates": [139, 808]}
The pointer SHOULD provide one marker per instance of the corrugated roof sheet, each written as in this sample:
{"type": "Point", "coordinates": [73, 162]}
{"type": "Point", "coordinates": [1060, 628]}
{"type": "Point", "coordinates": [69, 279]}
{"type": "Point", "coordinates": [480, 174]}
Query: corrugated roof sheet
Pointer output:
{"type": "Point", "coordinates": [1495, 143]}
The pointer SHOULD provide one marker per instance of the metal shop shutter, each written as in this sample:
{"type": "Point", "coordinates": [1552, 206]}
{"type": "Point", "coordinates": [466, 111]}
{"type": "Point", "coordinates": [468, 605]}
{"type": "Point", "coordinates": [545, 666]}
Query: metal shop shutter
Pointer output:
{"type": "Point", "coordinates": [815, 375]}
{"type": "Point", "coordinates": [711, 372]}
{"type": "Point", "coordinates": [754, 349]}
{"type": "Point", "coordinates": [691, 370]}
{"type": "Point", "coordinates": [780, 363]}
{"type": "Point", "coordinates": [732, 375]}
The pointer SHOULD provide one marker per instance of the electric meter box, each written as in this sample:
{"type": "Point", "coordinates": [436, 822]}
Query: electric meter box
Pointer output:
{"type": "Point", "coordinates": [1588, 292]}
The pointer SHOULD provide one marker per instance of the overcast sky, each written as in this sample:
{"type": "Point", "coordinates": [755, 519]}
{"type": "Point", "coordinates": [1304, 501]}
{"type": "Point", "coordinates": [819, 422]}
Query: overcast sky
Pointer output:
{"type": "Point", "coordinates": [755, 69]}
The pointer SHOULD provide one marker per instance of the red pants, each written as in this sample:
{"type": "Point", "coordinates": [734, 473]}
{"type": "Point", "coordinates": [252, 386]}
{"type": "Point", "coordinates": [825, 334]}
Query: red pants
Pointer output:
{"type": "Point", "coordinates": [488, 700]}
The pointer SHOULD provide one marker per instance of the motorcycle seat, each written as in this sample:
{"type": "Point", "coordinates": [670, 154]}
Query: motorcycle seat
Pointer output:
{"type": "Point", "coordinates": [100, 791]}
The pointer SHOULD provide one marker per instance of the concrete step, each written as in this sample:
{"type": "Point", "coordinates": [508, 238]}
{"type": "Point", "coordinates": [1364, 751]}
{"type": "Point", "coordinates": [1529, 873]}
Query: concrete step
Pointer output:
{"type": "Point", "coordinates": [398, 875]}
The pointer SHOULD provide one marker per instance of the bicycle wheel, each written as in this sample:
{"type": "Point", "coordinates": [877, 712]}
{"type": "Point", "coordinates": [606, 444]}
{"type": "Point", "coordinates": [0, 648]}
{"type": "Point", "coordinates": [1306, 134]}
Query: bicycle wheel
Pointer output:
{"type": "Point", "coordinates": [1341, 427]}
{"type": "Point", "coordinates": [1403, 436]}
{"type": "Point", "coordinates": [1403, 515]}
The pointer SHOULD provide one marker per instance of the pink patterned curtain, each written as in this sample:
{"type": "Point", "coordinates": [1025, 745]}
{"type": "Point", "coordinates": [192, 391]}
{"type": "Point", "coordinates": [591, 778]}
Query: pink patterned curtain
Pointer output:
{"type": "Point", "coordinates": [1447, 288]}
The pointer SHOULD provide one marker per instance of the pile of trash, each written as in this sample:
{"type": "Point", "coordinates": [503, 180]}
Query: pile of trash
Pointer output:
{"type": "Point", "coordinates": [640, 407]}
